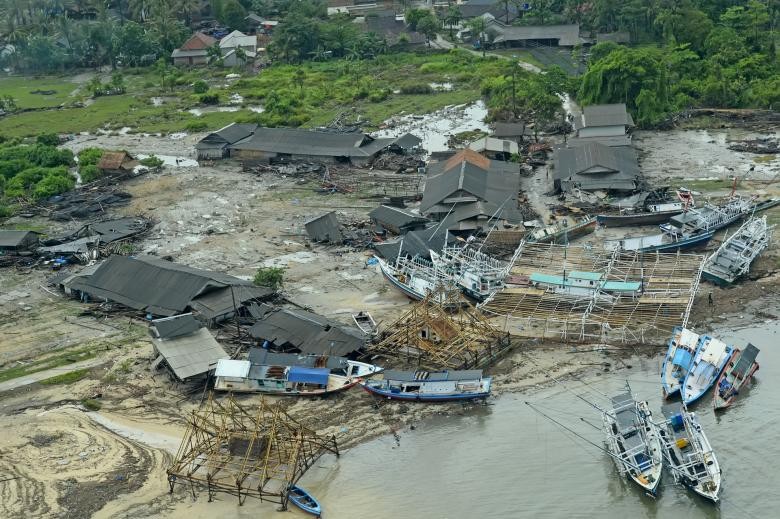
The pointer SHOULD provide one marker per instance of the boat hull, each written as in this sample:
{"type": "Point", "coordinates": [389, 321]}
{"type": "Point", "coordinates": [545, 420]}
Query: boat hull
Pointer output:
{"type": "Point", "coordinates": [406, 289]}
{"type": "Point", "coordinates": [699, 240]}
{"type": "Point", "coordinates": [721, 401]}
{"type": "Point", "coordinates": [609, 221]}
{"type": "Point", "coordinates": [414, 397]}
{"type": "Point", "coordinates": [323, 392]}
{"type": "Point", "coordinates": [703, 374]}
{"type": "Point", "coordinates": [305, 501]}
{"type": "Point", "coordinates": [569, 233]}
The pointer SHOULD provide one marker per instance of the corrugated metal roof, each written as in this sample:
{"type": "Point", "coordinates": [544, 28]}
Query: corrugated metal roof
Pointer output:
{"type": "Point", "coordinates": [220, 302]}
{"type": "Point", "coordinates": [324, 228]}
{"type": "Point", "coordinates": [237, 39]}
{"type": "Point", "coordinates": [595, 166]}
{"type": "Point", "coordinates": [150, 284]}
{"type": "Point", "coordinates": [170, 327]}
{"type": "Point", "coordinates": [190, 355]}
{"type": "Point", "coordinates": [308, 142]}
{"type": "Point", "coordinates": [10, 238]}
{"type": "Point", "coordinates": [306, 331]}
{"type": "Point", "coordinates": [432, 376]}
{"type": "Point", "coordinates": [395, 216]}
{"type": "Point", "coordinates": [606, 115]}
{"type": "Point", "coordinates": [232, 368]}
{"type": "Point", "coordinates": [568, 35]}
{"type": "Point", "coordinates": [198, 41]}
{"type": "Point", "coordinates": [230, 134]}
{"type": "Point", "coordinates": [510, 130]}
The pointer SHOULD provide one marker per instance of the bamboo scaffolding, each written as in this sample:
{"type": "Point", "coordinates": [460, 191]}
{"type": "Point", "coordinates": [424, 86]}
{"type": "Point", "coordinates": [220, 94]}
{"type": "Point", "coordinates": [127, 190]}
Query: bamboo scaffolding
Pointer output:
{"type": "Point", "coordinates": [261, 454]}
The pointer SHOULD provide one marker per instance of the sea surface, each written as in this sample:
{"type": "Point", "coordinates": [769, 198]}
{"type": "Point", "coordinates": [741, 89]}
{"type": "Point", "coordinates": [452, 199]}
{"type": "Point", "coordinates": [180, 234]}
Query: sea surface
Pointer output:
{"type": "Point", "coordinates": [505, 460]}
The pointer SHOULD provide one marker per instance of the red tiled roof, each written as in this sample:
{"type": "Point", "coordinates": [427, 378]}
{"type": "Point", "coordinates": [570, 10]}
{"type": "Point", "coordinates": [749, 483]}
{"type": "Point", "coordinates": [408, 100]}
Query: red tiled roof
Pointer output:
{"type": "Point", "coordinates": [198, 41]}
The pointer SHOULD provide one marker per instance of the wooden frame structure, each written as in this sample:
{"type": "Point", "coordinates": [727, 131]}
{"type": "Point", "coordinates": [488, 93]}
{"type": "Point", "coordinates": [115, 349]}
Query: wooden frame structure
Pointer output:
{"type": "Point", "coordinates": [668, 284]}
{"type": "Point", "coordinates": [443, 331]}
{"type": "Point", "coordinates": [259, 452]}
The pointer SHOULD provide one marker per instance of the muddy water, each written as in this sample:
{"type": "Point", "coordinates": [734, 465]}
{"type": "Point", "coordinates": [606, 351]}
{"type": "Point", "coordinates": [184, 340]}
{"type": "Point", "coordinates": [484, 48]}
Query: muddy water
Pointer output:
{"type": "Point", "coordinates": [507, 461]}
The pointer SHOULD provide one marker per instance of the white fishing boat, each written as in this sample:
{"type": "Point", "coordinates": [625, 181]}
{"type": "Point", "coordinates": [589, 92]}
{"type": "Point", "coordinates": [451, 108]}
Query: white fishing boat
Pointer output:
{"type": "Point", "coordinates": [634, 441]}
{"type": "Point", "coordinates": [732, 260]}
{"type": "Point", "coordinates": [365, 322]}
{"type": "Point", "coordinates": [240, 376]}
{"type": "Point", "coordinates": [709, 361]}
{"type": "Point", "coordinates": [738, 373]}
{"type": "Point", "coordinates": [415, 277]}
{"type": "Point", "coordinates": [689, 453]}
{"type": "Point", "coordinates": [709, 217]}
{"type": "Point", "coordinates": [682, 348]}
{"type": "Point", "coordinates": [475, 273]}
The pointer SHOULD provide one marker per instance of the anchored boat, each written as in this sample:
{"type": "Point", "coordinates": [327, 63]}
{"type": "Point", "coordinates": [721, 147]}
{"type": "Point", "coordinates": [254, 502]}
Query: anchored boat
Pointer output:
{"type": "Point", "coordinates": [634, 441]}
{"type": "Point", "coordinates": [688, 452]}
{"type": "Point", "coordinates": [709, 361]}
{"type": "Point", "coordinates": [738, 372]}
{"type": "Point", "coordinates": [305, 501]}
{"type": "Point", "coordinates": [682, 348]}
{"type": "Point", "coordinates": [655, 214]}
{"type": "Point", "coordinates": [426, 386]}
{"type": "Point", "coordinates": [732, 260]}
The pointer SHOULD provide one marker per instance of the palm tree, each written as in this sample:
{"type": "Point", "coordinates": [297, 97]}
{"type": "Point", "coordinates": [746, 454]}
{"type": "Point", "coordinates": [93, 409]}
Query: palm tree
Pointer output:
{"type": "Point", "coordinates": [241, 56]}
{"type": "Point", "coordinates": [214, 54]}
{"type": "Point", "coordinates": [187, 8]}
{"type": "Point", "coordinates": [452, 17]}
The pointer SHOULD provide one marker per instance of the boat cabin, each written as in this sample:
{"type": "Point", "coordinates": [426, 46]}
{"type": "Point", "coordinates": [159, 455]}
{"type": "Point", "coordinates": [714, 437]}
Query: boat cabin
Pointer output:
{"type": "Point", "coordinates": [425, 382]}
{"type": "Point", "coordinates": [584, 283]}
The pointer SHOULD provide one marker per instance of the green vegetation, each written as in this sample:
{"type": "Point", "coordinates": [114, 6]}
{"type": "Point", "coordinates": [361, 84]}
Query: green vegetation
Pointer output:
{"type": "Point", "coordinates": [152, 161]}
{"type": "Point", "coordinates": [88, 159]}
{"type": "Point", "coordinates": [66, 378]}
{"type": "Point", "coordinates": [50, 361]}
{"type": "Point", "coordinates": [271, 277]}
{"type": "Point", "coordinates": [32, 171]}
{"type": "Point", "coordinates": [91, 404]}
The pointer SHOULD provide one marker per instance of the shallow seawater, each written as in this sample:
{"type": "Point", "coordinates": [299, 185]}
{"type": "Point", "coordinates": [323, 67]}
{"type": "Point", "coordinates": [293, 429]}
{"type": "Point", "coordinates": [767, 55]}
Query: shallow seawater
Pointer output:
{"type": "Point", "coordinates": [505, 460]}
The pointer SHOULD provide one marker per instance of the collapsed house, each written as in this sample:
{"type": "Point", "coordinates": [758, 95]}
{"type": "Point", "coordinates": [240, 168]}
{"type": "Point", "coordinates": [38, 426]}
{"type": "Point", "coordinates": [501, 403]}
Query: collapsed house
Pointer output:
{"type": "Point", "coordinates": [418, 243]}
{"type": "Point", "coordinates": [163, 288]}
{"type": "Point", "coordinates": [397, 220]}
{"type": "Point", "coordinates": [324, 228]}
{"type": "Point", "coordinates": [292, 330]}
{"type": "Point", "coordinates": [89, 240]}
{"type": "Point", "coordinates": [184, 347]}
{"type": "Point", "coordinates": [472, 191]}
{"type": "Point", "coordinates": [594, 166]}
{"type": "Point", "coordinates": [260, 452]}
{"type": "Point", "coordinates": [443, 331]}
{"type": "Point", "coordinates": [495, 149]}
{"type": "Point", "coordinates": [605, 124]}
{"type": "Point", "coordinates": [18, 242]}
{"type": "Point", "coordinates": [216, 145]}
{"type": "Point", "coordinates": [116, 162]}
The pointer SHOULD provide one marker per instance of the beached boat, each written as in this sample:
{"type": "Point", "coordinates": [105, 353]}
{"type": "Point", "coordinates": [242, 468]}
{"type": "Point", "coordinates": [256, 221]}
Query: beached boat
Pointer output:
{"type": "Point", "coordinates": [305, 501]}
{"type": "Point", "coordinates": [415, 277]}
{"type": "Point", "coordinates": [738, 372]}
{"type": "Point", "coordinates": [475, 273]}
{"type": "Point", "coordinates": [425, 386]}
{"type": "Point", "coordinates": [682, 348]}
{"type": "Point", "coordinates": [241, 376]}
{"type": "Point", "coordinates": [365, 322]}
{"type": "Point", "coordinates": [709, 361]}
{"type": "Point", "coordinates": [634, 441]}
{"type": "Point", "coordinates": [655, 214]}
{"type": "Point", "coordinates": [663, 242]}
{"type": "Point", "coordinates": [337, 365]}
{"type": "Point", "coordinates": [732, 260]}
{"type": "Point", "coordinates": [709, 218]}
{"type": "Point", "coordinates": [563, 231]}
{"type": "Point", "coordinates": [688, 452]}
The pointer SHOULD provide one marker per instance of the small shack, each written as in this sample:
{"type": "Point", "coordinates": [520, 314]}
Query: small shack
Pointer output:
{"type": "Point", "coordinates": [187, 350]}
{"type": "Point", "coordinates": [324, 228]}
{"type": "Point", "coordinates": [17, 242]}
{"type": "Point", "coordinates": [397, 220]}
{"type": "Point", "coordinates": [511, 131]}
{"type": "Point", "coordinates": [496, 149]}
{"type": "Point", "coordinates": [116, 162]}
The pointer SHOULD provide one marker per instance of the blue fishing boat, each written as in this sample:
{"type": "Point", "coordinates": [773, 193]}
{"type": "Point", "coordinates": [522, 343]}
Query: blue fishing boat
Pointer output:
{"type": "Point", "coordinates": [305, 501]}
{"type": "Point", "coordinates": [709, 361]}
{"type": "Point", "coordinates": [682, 348]}
{"type": "Point", "coordinates": [663, 242]}
{"type": "Point", "coordinates": [426, 386]}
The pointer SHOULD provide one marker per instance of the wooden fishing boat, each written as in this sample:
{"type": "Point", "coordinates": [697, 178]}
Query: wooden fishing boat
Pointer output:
{"type": "Point", "coordinates": [634, 441]}
{"type": "Point", "coordinates": [732, 260]}
{"type": "Point", "coordinates": [365, 322]}
{"type": "Point", "coordinates": [477, 274]}
{"type": "Point", "coordinates": [337, 365]}
{"type": "Point", "coordinates": [738, 373]}
{"type": "Point", "coordinates": [656, 214]}
{"type": "Point", "coordinates": [241, 376]}
{"type": "Point", "coordinates": [425, 386]}
{"type": "Point", "coordinates": [305, 501]}
{"type": "Point", "coordinates": [709, 361]}
{"type": "Point", "coordinates": [562, 232]}
{"type": "Point", "coordinates": [709, 218]}
{"type": "Point", "coordinates": [682, 348]}
{"type": "Point", "coordinates": [688, 452]}
{"type": "Point", "coordinates": [663, 242]}
{"type": "Point", "coordinates": [416, 278]}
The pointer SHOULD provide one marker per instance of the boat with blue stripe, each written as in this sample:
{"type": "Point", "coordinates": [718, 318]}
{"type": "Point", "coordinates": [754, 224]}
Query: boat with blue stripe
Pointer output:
{"type": "Point", "coordinates": [305, 501]}
{"type": "Point", "coordinates": [426, 386]}
{"type": "Point", "coordinates": [710, 359]}
{"type": "Point", "coordinates": [663, 242]}
{"type": "Point", "coordinates": [682, 348]}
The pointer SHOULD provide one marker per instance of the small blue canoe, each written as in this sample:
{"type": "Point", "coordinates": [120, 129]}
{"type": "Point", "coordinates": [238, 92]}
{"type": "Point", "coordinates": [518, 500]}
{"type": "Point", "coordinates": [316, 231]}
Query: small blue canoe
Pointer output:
{"type": "Point", "coordinates": [305, 501]}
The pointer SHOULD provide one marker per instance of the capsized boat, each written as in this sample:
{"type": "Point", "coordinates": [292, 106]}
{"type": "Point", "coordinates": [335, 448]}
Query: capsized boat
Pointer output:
{"type": "Point", "coordinates": [732, 260]}
{"type": "Point", "coordinates": [427, 386]}
{"type": "Point", "coordinates": [634, 441]}
{"type": "Point", "coordinates": [738, 372]}
{"type": "Point", "coordinates": [688, 452]}
{"type": "Point", "coordinates": [305, 501]}
{"type": "Point", "coordinates": [563, 231]}
{"type": "Point", "coordinates": [365, 322]}
{"type": "Point", "coordinates": [682, 348]}
{"type": "Point", "coordinates": [709, 361]}
{"type": "Point", "coordinates": [241, 376]}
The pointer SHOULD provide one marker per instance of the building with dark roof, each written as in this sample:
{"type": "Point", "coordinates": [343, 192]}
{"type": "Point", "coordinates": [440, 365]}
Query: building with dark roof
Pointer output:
{"type": "Point", "coordinates": [475, 8]}
{"type": "Point", "coordinates": [216, 145]}
{"type": "Point", "coordinates": [16, 242]}
{"type": "Point", "coordinates": [511, 131]}
{"type": "Point", "coordinates": [417, 243]}
{"type": "Point", "coordinates": [392, 28]}
{"type": "Point", "coordinates": [606, 124]}
{"type": "Point", "coordinates": [594, 166]}
{"type": "Point", "coordinates": [279, 144]}
{"type": "Point", "coordinates": [469, 190]}
{"type": "Point", "coordinates": [159, 287]}
{"type": "Point", "coordinates": [307, 332]}
{"type": "Point", "coordinates": [397, 220]}
{"type": "Point", "coordinates": [187, 349]}
{"type": "Point", "coordinates": [564, 35]}
{"type": "Point", "coordinates": [324, 228]}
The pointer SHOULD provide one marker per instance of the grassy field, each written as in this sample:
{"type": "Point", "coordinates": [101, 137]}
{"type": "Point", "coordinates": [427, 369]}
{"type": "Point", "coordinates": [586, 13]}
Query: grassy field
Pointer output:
{"type": "Point", "coordinates": [66, 378]}
{"type": "Point", "coordinates": [308, 95]}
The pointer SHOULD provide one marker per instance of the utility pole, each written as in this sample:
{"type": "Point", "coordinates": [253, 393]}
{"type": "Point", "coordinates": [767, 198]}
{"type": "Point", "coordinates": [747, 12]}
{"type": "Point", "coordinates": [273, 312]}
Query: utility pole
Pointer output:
{"type": "Point", "coordinates": [514, 96]}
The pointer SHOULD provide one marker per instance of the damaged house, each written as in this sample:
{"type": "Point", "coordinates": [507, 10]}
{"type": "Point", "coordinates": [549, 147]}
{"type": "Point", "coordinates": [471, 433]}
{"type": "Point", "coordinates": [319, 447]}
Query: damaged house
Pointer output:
{"type": "Point", "coordinates": [605, 124]}
{"type": "Point", "coordinates": [182, 345]}
{"type": "Point", "coordinates": [306, 332]}
{"type": "Point", "coordinates": [116, 162]}
{"type": "Point", "coordinates": [324, 228]}
{"type": "Point", "coordinates": [594, 166]}
{"type": "Point", "coordinates": [397, 220]}
{"type": "Point", "coordinates": [17, 242]}
{"type": "Point", "coordinates": [163, 288]}
{"type": "Point", "coordinates": [216, 145]}
{"type": "Point", "coordinates": [418, 243]}
{"type": "Point", "coordinates": [470, 190]}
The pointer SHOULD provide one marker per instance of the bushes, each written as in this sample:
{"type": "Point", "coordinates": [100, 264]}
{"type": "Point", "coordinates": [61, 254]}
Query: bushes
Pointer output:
{"type": "Point", "coordinates": [49, 139]}
{"type": "Point", "coordinates": [416, 88]}
{"type": "Point", "coordinates": [196, 125]}
{"type": "Point", "coordinates": [210, 98]}
{"type": "Point", "coordinates": [37, 170]}
{"type": "Point", "coordinates": [151, 162]}
{"type": "Point", "coordinates": [200, 87]}
{"type": "Point", "coordinates": [271, 277]}
{"type": "Point", "coordinates": [89, 173]}
{"type": "Point", "coordinates": [88, 159]}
